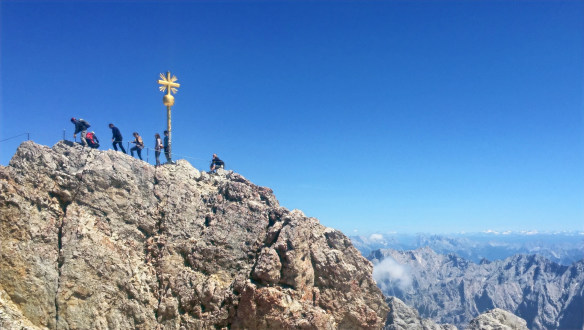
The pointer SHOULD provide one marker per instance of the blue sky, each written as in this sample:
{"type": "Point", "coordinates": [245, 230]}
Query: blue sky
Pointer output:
{"type": "Point", "coordinates": [408, 116]}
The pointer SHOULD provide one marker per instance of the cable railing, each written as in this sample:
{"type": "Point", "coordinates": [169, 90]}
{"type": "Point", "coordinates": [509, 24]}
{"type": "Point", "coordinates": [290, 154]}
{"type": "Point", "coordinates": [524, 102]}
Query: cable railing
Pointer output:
{"type": "Point", "coordinates": [14, 137]}
{"type": "Point", "coordinates": [148, 149]}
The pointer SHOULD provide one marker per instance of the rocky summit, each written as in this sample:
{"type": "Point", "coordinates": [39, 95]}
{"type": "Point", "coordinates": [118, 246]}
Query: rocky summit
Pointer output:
{"type": "Point", "coordinates": [97, 239]}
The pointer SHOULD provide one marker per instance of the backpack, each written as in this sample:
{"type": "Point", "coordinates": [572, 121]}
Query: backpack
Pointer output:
{"type": "Point", "coordinates": [140, 143]}
{"type": "Point", "coordinates": [85, 123]}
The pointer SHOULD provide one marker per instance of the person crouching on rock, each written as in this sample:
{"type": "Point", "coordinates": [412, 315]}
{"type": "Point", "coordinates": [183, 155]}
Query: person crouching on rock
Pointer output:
{"type": "Point", "coordinates": [139, 145]}
{"type": "Point", "coordinates": [216, 163]}
{"type": "Point", "coordinates": [92, 140]}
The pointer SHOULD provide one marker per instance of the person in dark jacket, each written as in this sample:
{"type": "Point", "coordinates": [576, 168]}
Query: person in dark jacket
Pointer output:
{"type": "Point", "coordinates": [117, 138]}
{"type": "Point", "coordinates": [81, 126]}
{"type": "Point", "coordinates": [167, 149]}
{"type": "Point", "coordinates": [216, 163]}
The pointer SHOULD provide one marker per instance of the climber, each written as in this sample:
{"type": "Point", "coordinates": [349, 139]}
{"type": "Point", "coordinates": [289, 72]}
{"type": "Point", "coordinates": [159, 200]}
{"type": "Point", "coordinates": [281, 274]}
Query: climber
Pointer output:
{"type": "Point", "coordinates": [80, 126]}
{"type": "Point", "coordinates": [139, 145]}
{"type": "Point", "coordinates": [216, 163]}
{"type": "Point", "coordinates": [92, 140]}
{"type": "Point", "coordinates": [117, 138]}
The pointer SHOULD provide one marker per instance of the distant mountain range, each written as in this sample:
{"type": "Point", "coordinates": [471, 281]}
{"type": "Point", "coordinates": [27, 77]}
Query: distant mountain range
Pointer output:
{"type": "Point", "coordinates": [564, 248]}
{"type": "Point", "coordinates": [454, 290]}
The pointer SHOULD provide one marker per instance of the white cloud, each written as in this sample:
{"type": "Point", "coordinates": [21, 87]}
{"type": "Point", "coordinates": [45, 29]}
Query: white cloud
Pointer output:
{"type": "Point", "coordinates": [530, 232]}
{"type": "Point", "coordinates": [388, 273]}
{"type": "Point", "coordinates": [376, 237]}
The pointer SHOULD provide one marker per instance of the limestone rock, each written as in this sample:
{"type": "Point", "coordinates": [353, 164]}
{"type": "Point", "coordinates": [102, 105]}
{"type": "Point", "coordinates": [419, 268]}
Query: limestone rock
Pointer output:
{"type": "Point", "coordinates": [497, 319]}
{"type": "Point", "coordinates": [98, 239]}
{"type": "Point", "coordinates": [403, 317]}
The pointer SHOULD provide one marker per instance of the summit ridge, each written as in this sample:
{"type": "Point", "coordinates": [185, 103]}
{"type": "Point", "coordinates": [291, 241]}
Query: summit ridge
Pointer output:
{"type": "Point", "coordinates": [97, 239]}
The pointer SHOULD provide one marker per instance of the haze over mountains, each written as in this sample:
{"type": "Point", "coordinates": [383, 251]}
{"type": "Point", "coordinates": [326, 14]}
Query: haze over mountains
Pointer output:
{"type": "Point", "coordinates": [561, 247]}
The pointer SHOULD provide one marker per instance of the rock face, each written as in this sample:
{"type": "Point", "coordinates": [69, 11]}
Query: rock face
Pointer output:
{"type": "Point", "coordinates": [97, 239]}
{"type": "Point", "coordinates": [450, 289]}
{"type": "Point", "coordinates": [497, 319]}
{"type": "Point", "coordinates": [403, 317]}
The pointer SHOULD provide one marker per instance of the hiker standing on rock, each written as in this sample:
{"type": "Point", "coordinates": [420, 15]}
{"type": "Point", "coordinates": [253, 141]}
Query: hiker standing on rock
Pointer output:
{"type": "Point", "coordinates": [80, 126]}
{"type": "Point", "coordinates": [139, 145]}
{"type": "Point", "coordinates": [167, 149]}
{"type": "Point", "coordinates": [157, 147]}
{"type": "Point", "coordinates": [117, 138]}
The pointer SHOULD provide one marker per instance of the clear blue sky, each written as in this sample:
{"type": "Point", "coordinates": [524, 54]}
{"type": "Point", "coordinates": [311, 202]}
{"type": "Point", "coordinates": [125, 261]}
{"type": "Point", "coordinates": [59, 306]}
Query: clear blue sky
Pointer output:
{"type": "Point", "coordinates": [408, 116]}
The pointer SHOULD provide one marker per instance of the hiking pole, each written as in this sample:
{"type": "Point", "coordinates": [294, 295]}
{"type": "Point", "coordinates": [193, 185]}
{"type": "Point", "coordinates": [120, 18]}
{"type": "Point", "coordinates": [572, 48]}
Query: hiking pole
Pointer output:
{"type": "Point", "coordinates": [28, 136]}
{"type": "Point", "coordinates": [64, 138]}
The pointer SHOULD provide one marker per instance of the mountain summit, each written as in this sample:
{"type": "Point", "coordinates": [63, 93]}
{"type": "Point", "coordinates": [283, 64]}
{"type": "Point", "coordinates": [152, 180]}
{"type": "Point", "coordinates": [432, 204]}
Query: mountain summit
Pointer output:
{"type": "Point", "coordinates": [98, 239]}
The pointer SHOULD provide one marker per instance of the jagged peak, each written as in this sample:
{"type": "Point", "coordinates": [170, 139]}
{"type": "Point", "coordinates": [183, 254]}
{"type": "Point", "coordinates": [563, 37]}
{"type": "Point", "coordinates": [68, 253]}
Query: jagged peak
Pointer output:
{"type": "Point", "coordinates": [110, 241]}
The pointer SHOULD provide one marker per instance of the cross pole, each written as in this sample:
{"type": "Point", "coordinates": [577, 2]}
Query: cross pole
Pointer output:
{"type": "Point", "coordinates": [168, 84]}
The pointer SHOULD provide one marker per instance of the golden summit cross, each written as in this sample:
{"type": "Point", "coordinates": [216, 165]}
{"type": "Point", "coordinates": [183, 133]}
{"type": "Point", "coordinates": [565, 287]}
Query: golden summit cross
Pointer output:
{"type": "Point", "coordinates": [168, 84]}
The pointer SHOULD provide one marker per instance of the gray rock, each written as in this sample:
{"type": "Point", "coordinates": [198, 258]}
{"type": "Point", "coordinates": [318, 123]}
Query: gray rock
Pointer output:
{"type": "Point", "coordinates": [497, 319]}
{"type": "Point", "coordinates": [98, 239]}
{"type": "Point", "coordinates": [403, 317]}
